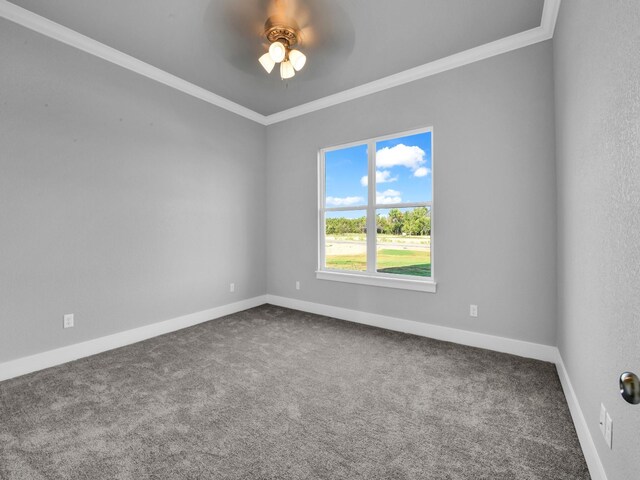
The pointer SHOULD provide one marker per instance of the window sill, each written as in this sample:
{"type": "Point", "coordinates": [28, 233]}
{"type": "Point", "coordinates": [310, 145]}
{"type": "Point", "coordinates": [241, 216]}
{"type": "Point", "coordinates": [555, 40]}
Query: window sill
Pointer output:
{"type": "Point", "coordinates": [378, 281]}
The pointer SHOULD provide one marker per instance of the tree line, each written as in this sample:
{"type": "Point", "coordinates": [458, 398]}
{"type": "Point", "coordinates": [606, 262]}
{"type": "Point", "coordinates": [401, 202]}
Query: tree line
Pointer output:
{"type": "Point", "coordinates": [411, 222]}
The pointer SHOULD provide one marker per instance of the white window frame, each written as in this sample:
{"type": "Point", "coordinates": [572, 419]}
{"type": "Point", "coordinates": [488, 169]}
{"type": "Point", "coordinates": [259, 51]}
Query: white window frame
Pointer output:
{"type": "Point", "coordinates": [371, 276]}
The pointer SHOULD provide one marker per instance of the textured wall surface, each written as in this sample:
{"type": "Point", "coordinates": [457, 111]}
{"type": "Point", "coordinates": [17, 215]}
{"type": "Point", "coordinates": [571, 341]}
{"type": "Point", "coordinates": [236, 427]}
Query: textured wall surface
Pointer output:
{"type": "Point", "coordinates": [597, 78]}
{"type": "Point", "coordinates": [117, 198]}
{"type": "Point", "coordinates": [494, 214]}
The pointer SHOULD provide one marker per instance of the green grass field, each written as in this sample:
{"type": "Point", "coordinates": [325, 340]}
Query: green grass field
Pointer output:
{"type": "Point", "coordinates": [399, 262]}
{"type": "Point", "coordinates": [380, 238]}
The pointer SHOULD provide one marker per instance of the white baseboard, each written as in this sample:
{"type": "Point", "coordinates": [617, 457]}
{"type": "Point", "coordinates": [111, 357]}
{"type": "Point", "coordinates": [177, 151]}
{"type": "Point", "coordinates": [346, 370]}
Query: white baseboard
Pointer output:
{"type": "Point", "coordinates": [51, 358]}
{"type": "Point", "coordinates": [536, 351]}
{"type": "Point", "coordinates": [596, 469]}
{"type": "Point", "coordinates": [24, 365]}
{"type": "Point", "coordinates": [547, 353]}
{"type": "Point", "coordinates": [521, 348]}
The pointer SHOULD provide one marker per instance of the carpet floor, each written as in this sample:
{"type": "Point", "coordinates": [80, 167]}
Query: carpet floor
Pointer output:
{"type": "Point", "coordinates": [273, 393]}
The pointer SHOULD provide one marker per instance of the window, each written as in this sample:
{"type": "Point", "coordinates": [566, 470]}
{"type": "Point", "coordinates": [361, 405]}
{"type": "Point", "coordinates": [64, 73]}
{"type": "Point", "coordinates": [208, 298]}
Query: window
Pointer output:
{"type": "Point", "coordinates": [376, 210]}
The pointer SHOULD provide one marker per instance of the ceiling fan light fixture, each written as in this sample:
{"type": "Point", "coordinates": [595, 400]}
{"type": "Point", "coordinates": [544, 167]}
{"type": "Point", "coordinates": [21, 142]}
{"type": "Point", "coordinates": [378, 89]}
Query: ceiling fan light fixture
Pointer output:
{"type": "Point", "coordinates": [267, 62]}
{"type": "Point", "coordinates": [297, 59]}
{"type": "Point", "coordinates": [277, 52]}
{"type": "Point", "coordinates": [286, 70]}
{"type": "Point", "coordinates": [283, 34]}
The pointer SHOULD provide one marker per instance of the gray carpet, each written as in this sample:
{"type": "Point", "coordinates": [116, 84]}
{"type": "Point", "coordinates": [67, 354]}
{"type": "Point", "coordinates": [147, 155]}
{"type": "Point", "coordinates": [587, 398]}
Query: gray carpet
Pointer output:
{"type": "Point", "coordinates": [272, 393]}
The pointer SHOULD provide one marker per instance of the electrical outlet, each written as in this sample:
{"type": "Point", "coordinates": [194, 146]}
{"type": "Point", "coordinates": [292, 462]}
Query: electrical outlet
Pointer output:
{"type": "Point", "coordinates": [68, 320]}
{"type": "Point", "coordinates": [473, 310]}
{"type": "Point", "coordinates": [232, 287]}
{"type": "Point", "coordinates": [608, 430]}
{"type": "Point", "coordinates": [603, 413]}
{"type": "Point", "coordinates": [297, 285]}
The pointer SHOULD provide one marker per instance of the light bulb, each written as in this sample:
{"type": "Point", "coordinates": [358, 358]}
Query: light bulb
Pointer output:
{"type": "Point", "coordinates": [297, 59]}
{"type": "Point", "coordinates": [286, 70]}
{"type": "Point", "coordinates": [277, 52]}
{"type": "Point", "coordinates": [266, 61]}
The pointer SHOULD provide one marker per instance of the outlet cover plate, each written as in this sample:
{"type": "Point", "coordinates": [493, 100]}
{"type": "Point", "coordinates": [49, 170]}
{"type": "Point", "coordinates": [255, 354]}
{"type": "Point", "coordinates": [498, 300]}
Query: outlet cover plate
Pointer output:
{"type": "Point", "coordinates": [68, 321]}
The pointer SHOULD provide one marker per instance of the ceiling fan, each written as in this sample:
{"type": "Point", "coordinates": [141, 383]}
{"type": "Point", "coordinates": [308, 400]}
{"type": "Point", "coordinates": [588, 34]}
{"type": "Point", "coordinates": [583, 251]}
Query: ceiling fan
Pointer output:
{"type": "Point", "coordinates": [282, 32]}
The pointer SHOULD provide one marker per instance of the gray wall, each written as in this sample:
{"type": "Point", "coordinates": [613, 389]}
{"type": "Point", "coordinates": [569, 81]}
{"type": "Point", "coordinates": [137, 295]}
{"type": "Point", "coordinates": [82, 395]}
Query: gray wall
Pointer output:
{"type": "Point", "coordinates": [117, 196]}
{"type": "Point", "coordinates": [597, 79]}
{"type": "Point", "coordinates": [494, 220]}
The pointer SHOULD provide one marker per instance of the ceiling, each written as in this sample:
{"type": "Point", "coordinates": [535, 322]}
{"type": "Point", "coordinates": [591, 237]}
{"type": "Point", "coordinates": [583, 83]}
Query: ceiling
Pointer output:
{"type": "Point", "coordinates": [215, 44]}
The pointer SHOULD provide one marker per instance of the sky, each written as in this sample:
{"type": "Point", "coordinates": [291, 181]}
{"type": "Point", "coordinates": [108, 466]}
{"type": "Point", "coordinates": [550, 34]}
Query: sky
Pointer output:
{"type": "Point", "coordinates": [403, 174]}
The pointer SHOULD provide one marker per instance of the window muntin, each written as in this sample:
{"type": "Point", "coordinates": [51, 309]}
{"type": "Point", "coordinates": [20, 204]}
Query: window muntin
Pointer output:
{"type": "Point", "coordinates": [395, 241]}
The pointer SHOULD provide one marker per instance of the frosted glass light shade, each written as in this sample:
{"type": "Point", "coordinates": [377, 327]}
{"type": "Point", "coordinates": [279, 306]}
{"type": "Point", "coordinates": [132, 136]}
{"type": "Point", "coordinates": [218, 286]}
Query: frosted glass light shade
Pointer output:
{"type": "Point", "coordinates": [266, 61]}
{"type": "Point", "coordinates": [277, 52]}
{"type": "Point", "coordinates": [286, 70]}
{"type": "Point", "coordinates": [297, 59]}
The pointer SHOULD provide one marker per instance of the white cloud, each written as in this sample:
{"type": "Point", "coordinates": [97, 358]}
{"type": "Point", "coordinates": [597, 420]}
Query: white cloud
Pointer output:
{"type": "Point", "coordinates": [344, 201]}
{"type": "Point", "coordinates": [382, 176]}
{"type": "Point", "coordinates": [410, 157]}
{"type": "Point", "coordinates": [421, 172]}
{"type": "Point", "coordinates": [388, 196]}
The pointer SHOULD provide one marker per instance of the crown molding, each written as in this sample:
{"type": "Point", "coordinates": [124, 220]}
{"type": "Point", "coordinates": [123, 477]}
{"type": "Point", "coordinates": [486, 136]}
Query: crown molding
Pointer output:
{"type": "Point", "coordinates": [54, 30]}
{"type": "Point", "coordinates": [550, 12]}
{"type": "Point", "coordinates": [63, 34]}
{"type": "Point", "coordinates": [507, 44]}
{"type": "Point", "coordinates": [451, 62]}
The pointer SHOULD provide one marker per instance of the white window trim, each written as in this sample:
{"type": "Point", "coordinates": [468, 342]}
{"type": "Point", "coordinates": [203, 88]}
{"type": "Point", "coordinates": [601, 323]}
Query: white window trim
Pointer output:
{"type": "Point", "coordinates": [372, 277]}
